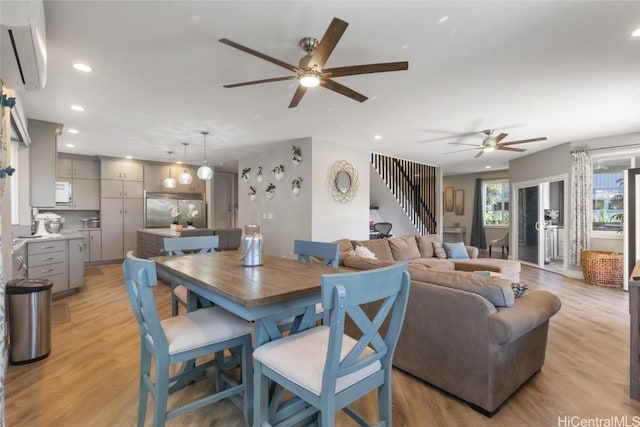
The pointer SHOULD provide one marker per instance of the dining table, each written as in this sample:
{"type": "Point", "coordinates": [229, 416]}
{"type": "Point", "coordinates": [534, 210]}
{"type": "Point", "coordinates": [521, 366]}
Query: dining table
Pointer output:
{"type": "Point", "coordinates": [267, 294]}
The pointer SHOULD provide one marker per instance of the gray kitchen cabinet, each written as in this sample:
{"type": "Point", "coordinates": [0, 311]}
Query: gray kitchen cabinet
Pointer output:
{"type": "Point", "coordinates": [61, 261]}
{"type": "Point", "coordinates": [65, 168]}
{"type": "Point", "coordinates": [93, 245]}
{"type": "Point", "coordinates": [76, 254]}
{"type": "Point", "coordinates": [112, 188]}
{"type": "Point", "coordinates": [121, 169]}
{"type": "Point", "coordinates": [84, 176]}
{"type": "Point", "coordinates": [154, 176]}
{"type": "Point", "coordinates": [120, 218]}
{"type": "Point", "coordinates": [85, 169]}
{"type": "Point", "coordinates": [43, 163]}
{"type": "Point", "coordinates": [85, 194]}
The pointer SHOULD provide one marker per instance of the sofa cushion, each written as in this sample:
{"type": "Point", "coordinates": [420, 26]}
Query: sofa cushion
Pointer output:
{"type": "Point", "coordinates": [456, 250]}
{"type": "Point", "coordinates": [496, 290]}
{"type": "Point", "coordinates": [404, 248]}
{"type": "Point", "coordinates": [439, 264]}
{"type": "Point", "coordinates": [380, 247]}
{"type": "Point", "coordinates": [345, 248]}
{"type": "Point", "coordinates": [508, 268]}
{"type": "Point", "coordinates": [438, 250]}
{"type": "Point", "coordinates": [359, 263]}
{"type": "Point", "coordinates": [425, 244]}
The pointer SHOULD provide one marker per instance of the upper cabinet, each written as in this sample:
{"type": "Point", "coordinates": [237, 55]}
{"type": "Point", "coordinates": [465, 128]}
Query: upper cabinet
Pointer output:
{"type": "Point", "coordinates": [79, 169]}
{"type": "Point", "coordinates": [43, 154]}
{"type": "Point", "coordinates": [121, 169]}
{"type": "Point", "coordinates": [155, 174]}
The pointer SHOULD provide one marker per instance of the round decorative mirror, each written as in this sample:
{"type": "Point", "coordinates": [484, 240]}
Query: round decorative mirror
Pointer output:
{"type": "Point", "coordinates": [343, 182]}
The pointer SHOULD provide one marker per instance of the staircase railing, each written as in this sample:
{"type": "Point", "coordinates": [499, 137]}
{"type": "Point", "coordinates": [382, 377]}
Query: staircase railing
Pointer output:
{"type": "Point", "coordinates": [414, 187]}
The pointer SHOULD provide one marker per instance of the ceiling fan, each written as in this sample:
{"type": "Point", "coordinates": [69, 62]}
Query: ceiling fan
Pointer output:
{"type": "Point", "coordinates": [310, 71]}
{"type": "Point", "coordinates": [491, 143]}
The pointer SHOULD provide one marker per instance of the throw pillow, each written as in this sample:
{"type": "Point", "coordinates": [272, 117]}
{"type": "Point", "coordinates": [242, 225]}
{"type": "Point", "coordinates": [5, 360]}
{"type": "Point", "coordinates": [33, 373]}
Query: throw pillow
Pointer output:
{"type": "Point", "coordinates": [425, 244]}
{"type": "Point", "coordinates": [363, 252]}
{"type": "Point", "coordinates": [439, 251]}
{"type": "Point", "coordinates": [456, 250]}
{"type": "Point", "coordinates": [519, 289]}
{"type": "Point", "coordinates": [404, 248]}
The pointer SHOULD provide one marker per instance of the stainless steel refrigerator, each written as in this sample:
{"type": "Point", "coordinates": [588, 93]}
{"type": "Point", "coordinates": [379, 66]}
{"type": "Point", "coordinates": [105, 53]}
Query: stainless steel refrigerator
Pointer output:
{"type": "Point", "coordinates": [160, 209]}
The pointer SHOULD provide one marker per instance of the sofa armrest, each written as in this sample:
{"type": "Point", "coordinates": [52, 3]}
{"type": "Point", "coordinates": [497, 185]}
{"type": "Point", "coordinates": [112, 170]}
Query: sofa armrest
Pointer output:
{"type": "Point", "coordinates": [529, 311]}
{"type": "Point", "coordinates": [472, 251]}
{"type": "Point", "coordinates": [361, 263]}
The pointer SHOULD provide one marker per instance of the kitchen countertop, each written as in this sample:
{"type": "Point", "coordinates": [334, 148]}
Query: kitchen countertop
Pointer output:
{"type": "Point", "coordinates": [68, 235]}
{"type": "Point", "coordinates": [164, 232]}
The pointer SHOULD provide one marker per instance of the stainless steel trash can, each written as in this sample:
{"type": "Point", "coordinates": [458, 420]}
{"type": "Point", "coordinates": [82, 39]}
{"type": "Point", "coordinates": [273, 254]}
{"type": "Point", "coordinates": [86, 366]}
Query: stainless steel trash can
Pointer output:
{"type": "Point", "coordinates": [29, 318]}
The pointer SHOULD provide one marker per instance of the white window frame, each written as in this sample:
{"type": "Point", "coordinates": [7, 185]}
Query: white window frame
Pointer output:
{"type": "Point", "coordinates": [485, 183]}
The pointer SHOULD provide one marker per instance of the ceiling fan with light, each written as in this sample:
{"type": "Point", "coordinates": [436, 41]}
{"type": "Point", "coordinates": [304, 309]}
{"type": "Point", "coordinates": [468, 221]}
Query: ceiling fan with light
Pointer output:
{"type": "Point", "coordinates": [491, 143]}
{"type": "Point", "coordinates": [310, 71]}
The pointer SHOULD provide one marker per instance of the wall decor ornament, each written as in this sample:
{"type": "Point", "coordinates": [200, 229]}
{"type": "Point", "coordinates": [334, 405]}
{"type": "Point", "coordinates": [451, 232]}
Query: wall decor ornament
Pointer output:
{"type": "Point", "coordinates": [448, 199]}
{"type": "Point", "coordinates": [295, 186]}
{"type": "Point", "coordinates": [246, 174]}
{"type": "Point", "coordinates": [459, 202]}
{"type": "Point", "coordinates": [252, 192]}
{"type": "Point", "coordinates": [342, 181]}
{"type": "Point", "coordinates": [279, 172]}
{"type": "Point", "coordinates": [296, 155]}
{"type": "Point", "coordinates": [259, 176]}
{"type": "Point", "coordinates": [270, 190]}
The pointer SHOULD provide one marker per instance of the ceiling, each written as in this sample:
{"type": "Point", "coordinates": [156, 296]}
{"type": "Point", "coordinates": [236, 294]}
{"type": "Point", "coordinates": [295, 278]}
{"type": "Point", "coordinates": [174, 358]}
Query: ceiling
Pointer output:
{"type": "Point", "coordinates": [567, 70]}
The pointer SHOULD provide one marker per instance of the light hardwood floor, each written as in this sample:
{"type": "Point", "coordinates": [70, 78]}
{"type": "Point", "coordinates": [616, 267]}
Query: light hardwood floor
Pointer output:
{"type": "Point", "coordinates": [90, 378]}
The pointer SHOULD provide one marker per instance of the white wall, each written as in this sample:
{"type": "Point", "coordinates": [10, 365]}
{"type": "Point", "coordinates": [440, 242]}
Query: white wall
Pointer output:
{"type": "Point", "coordinates": [332, 220]}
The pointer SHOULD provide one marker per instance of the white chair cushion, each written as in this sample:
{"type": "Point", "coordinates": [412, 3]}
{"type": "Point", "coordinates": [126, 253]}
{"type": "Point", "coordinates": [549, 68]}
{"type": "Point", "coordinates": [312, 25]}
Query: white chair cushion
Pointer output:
{"type": "Point", "coordinates": [301, 358]}
{"type": "Point", "coordinates": [181, 293]}
{"type": "Point", "coordinates": [202, 327]}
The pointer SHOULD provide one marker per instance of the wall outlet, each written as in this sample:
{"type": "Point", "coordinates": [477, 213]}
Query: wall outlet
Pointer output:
{"type": "Point", "coordinates": [270, 215]}
{"type": "Point", "coordinates": [264, 215]}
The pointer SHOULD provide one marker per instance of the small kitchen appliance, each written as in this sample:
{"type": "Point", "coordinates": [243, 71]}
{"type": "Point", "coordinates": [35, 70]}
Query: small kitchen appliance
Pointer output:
{"type": "Point", "coordinates": [42, 219]}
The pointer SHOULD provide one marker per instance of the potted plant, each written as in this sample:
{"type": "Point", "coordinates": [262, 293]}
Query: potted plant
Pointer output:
{"type": "Point", "coordinates": [295, 186]}
{"type": "Point", "coordinates": [192, 212]}
{"type": "Point", "coordinates": [270, 190]}
{"type": "Point", "coordinates": [252, 192]}
{"type": "Point", "coordinates": [175, 214]}
{"type": "Point", "coordinates": [296, 155]}
{"type": "Point", "coordinates": [259, 176]}
{"type": "Point", "coordinates": [279, 172]}
{"type": "Point", "coordinates": [246, 174]}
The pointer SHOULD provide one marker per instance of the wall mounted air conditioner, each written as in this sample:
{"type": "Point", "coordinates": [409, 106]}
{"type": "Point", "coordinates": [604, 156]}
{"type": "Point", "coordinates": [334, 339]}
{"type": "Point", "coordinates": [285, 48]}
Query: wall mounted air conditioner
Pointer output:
{"type": "Point", "coordinates": [23, 38]}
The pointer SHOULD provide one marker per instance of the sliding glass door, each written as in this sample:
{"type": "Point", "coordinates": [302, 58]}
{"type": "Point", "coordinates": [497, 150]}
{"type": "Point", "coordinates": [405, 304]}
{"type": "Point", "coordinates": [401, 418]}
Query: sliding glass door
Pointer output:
{"type": "Point", "coordinates": [539, 226]}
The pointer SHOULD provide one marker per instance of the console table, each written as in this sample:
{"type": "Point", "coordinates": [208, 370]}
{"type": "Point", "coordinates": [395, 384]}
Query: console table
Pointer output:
{"type": "Point", "coordinates": [454, 234]}
{"type": "Point", "coordinates": [634, 310]}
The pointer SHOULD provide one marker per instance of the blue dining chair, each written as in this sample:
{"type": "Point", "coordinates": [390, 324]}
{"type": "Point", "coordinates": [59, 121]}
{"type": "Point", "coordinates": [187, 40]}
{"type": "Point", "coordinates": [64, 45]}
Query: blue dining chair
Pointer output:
{"type": "Point", "coordinates": [182, 339]}
{"type": "Point", "coordinates": [183, 246]}
{"type": "Point", "coordinates": [329, 253]}
{"type": "Point", "coordinates": [325, 369]}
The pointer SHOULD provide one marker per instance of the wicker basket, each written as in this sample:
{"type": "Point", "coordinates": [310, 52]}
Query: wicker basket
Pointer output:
{"type": "Point", "coordinates": [602, 268]}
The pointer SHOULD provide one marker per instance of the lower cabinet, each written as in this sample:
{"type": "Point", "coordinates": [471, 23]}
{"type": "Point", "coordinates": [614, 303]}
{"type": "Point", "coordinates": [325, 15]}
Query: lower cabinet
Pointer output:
{"type": "Point", "coordinates": [120, 219]}
{"type": "Point", "coordinates": [93, 245]}
{"type": "Point", "coordinates": [61, 261]}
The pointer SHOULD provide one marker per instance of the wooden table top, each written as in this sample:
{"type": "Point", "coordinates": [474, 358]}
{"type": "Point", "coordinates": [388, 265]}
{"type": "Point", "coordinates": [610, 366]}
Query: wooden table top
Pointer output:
{"type": "Point", "coordinates": [277, 280]}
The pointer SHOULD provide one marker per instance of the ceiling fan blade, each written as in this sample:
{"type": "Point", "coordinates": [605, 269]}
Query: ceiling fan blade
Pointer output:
{"type": "Point", "coordinates": [522, 141]}
{"type": "Point", "coordinates": [365, 69]}
{"type": "Point", "coordinates": [460, 151]}
{"type": "Point", "coordinates": [463, 143]}
{"type": "Point", "coordinates": [259, 55]}
{"type": "Point", "coordinates": [501, 137]}
{"type": "Point", "coordinates": [502, 147]}
{"type": "Point", "coordinates": [480, 153]}
{"type": "Point", "coordinates": [297, 96]}
{"type": "Point", "coordinates": [343, 90]}
{"type": "Point", "coordinates": [255, 82]}
{"type": "Point", "coordinates": [328, 43]}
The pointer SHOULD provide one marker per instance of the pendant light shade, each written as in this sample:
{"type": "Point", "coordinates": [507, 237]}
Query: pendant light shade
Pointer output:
{"type": "Point", "coordinates": [185, 176]}
{"type": "Point", "coordinates": [205, 172]}
{"type": "Point", "coordinates": [169, 182]}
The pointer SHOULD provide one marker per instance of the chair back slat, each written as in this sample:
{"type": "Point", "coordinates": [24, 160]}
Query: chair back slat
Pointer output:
{"type": "Point", "coordinates": [342, 295]}
{"type": "Point", "coordinates": [194, 244]}
{"type": "Point", "coordinates": [329, 253]}
{"type": "Point", "coordinates": [140, 276]}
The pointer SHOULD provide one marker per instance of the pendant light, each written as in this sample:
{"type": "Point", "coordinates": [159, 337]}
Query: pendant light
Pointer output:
{"type": "Point", "coordinates": [185, 177]}
{"type": "Point", "coordinates": [169, 182]}
{"type": "Point", "coordinates": [205, 172]}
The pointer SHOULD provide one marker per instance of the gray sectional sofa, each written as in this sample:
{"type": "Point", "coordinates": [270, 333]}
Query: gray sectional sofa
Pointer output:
{"type": "Point", "coordinates": [465, 333]}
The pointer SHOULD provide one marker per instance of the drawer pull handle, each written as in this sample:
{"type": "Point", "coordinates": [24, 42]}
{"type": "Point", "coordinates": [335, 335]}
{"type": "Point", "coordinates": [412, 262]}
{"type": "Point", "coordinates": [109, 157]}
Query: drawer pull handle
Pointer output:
{"type": "Point", "coordinates": [48, 271]}
{"type": "Point", "coordinates": [48, 247]}
{"type": "Point", "coordinates": [48, 259]}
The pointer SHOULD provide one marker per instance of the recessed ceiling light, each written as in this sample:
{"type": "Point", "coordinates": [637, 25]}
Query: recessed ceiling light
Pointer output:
{"type": "Point", "coordinates": [73, 131]}
{"type": "Point", "coordinates": [487, 167]}
{"type": "Point", "coordinates": [128, 157]}
{"type": "Point", "coordinates": [69, 145]}
{"type": "Point", "coordinates": [377, 137]}
{"type": "Point", "coordinates": [636, 33]}
{"type": "Point", "coordinates": [77, 108]}
{"type": "Point", "coordinates": [179, 162]}
{"type": "Point", "coordinates": [443, 19]}
{"type": "Point", "coordinates": [82, 67]}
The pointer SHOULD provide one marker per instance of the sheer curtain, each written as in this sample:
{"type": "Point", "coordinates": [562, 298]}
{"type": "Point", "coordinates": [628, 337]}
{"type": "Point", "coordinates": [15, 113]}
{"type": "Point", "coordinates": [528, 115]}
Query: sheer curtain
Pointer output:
{"type": "Point", "coordinates": [477, 225]}
{"type": "Point", "coordinates": [581, 217]}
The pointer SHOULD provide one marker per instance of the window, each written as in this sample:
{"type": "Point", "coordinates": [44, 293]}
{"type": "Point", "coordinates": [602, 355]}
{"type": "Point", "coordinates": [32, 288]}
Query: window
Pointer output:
{"type": "Point", "coordinates": [608, 190]}
{"type": "Point", "coordinates": [496, 202]}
